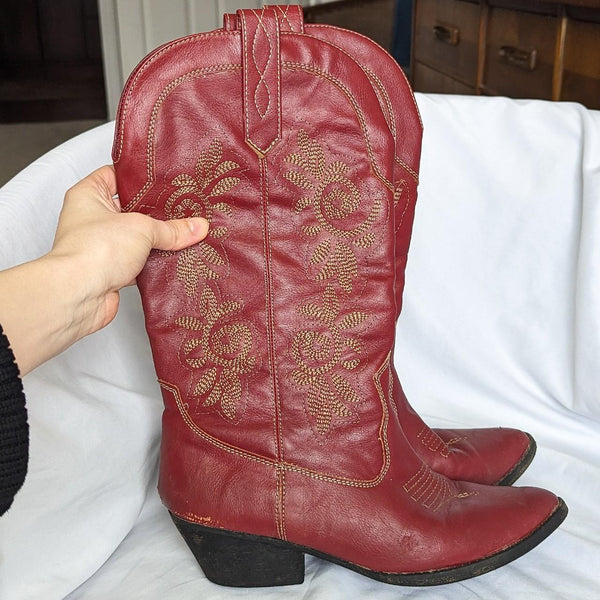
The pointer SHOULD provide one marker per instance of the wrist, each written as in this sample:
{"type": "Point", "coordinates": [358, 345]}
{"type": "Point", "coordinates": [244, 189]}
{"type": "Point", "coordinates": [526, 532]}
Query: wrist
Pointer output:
{"type": "Point", "coordinates": [45, 307]}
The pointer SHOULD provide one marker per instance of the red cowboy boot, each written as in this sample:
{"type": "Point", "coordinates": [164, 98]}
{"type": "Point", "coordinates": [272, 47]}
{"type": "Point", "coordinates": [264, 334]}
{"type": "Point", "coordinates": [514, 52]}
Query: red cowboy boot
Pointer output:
{"type": "Point", "coordinates": [489, 455]}
{"type": "Point", "coordinates": [273, 338]}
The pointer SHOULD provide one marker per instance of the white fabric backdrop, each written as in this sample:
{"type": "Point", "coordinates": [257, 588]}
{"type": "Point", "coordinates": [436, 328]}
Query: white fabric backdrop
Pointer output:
{"type": "Point", "coordinates": [500, 326]}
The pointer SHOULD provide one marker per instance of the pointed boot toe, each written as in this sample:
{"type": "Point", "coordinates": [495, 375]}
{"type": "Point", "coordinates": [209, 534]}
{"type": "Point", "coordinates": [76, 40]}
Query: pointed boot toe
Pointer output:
{"type": "Point", "coordinates": [493, 456]}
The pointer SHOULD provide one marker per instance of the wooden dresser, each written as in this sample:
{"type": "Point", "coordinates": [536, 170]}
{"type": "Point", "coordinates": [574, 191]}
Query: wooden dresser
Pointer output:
{"type": "Point", "coordinates": [517, 48]}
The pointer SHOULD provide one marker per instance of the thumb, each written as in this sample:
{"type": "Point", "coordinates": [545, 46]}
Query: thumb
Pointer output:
{"type": "Point", "coordinates": [178, 233]}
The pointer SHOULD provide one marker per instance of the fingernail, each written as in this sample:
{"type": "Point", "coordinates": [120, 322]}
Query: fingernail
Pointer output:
{"type": "Point", "coordinates": [197, 223]}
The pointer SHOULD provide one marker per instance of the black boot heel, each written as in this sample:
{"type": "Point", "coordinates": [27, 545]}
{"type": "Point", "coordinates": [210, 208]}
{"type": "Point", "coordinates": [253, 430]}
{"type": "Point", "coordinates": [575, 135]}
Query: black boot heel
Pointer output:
{"type": "Point", "coordinates": [241, 560]}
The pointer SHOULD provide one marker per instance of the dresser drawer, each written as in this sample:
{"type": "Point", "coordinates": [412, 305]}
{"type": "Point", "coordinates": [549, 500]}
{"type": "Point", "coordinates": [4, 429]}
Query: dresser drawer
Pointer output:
{"type": "Point", "coordinates": [432, 81]}
{"type": "Point", "coordinates": [581, 77]}
{"type": "Point", "coordinates": [446, 37]}
{"type": "Point", "coordinates": [520, 54]}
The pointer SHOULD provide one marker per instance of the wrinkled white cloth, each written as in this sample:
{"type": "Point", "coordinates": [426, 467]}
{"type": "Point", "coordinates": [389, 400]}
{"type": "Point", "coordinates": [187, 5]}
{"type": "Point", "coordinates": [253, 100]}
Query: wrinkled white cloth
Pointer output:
{"type": "Point", "coordinates": [501, 326]}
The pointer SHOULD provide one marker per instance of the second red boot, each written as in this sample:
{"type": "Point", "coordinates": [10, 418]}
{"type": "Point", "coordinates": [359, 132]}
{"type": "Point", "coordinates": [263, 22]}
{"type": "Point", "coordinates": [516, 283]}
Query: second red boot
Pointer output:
{"type": "Point", "coordinates": [493, 456]}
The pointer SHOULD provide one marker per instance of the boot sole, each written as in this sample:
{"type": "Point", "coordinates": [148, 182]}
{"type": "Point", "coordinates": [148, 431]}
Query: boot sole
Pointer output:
{"type": "Point", "coordinates": [522, 465]}
{"type": "Point", "coordinates": [237, 559]}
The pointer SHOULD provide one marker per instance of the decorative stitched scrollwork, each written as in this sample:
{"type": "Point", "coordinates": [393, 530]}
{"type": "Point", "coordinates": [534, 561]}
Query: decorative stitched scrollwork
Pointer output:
{"type": "Point", "coordinates": [262, 94]}
{"type": "Point", "coordinates": [198, 195]}
{"type": "Point", "coordinates": [221, 345]}
{"type": "Point", "coordinates": [340, 228]}
{"type": "Point", "coordinates": [337, 208]}
{"type": "Point", "coordinates": [432, 490]}
{"type": "Point", "coordinates": [326, 355]}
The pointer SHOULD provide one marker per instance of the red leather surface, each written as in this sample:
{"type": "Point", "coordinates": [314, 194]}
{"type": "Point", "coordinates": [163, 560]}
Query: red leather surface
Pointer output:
{"type": "Point", "coordinates": [272, 338]}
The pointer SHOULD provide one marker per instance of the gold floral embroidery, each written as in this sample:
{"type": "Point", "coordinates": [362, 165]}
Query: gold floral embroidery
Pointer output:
{"type": "Point", "coordinates": [335, 202]}
{"type": "Point", "coordinates": [222, 346]}
{"type": "Point", "coordinates": [321, 352]}
{"type": "Point", "coordinates": [198, 195]}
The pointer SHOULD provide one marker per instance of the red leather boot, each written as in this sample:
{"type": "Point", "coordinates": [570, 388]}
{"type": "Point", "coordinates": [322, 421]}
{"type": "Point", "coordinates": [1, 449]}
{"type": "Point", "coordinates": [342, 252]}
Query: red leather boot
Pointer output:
{"type": "Point", "coordinates": [273, 338]}
{"type": "Point", "coordinates": [494, 456]}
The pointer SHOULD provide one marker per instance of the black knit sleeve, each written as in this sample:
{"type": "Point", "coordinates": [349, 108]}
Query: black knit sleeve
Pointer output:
{"type": "Point", "coordinates": [14, 431]}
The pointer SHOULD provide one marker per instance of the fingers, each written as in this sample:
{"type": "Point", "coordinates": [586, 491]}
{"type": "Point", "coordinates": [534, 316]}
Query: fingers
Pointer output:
{"type": "Point", "coordinates": [178, 233]}
{"type": "Point", "coordinates": [106, 179]}
{"type": "Point", "coordinates": [100, 184]}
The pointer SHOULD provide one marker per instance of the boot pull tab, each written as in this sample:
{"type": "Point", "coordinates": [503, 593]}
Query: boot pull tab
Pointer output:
{"type": "Point", "coordinates": [290, 17]}
{"type": "Point", "coordinates": [261, 79]}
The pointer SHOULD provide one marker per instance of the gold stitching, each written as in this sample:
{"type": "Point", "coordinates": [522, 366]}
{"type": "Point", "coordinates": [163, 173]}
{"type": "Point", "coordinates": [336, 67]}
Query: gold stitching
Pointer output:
{"type": "Point", "coordinates": [284, 14]}
{"type": "Point", "coordinates": [432, 490]}
{"type": "Point", "coordinates": [333, 198]}
{"type": "Point", "coordinates": [127, 93]}
{"type": "Point", "coordinates": [150, 167]}
{"type": "Point", "coordinates": [261, 152]}
{"type": "Point", "coordinates": [195, 196]}
{"type": "Point", "coordinates": [222, 348]}
{"type": "Point", "coordinates": [359, 483]}
{"type": "Point", "coordinates": [379, 83]}
{"type": "Point", "coordinates": [318, 356]}
{"type": "Point", "coordinates": [266, 66]}
{"type": "Point", "coordinates": [323, 26]}
{"type": "Point", "coordinates": [401, 188]}
{"type": "Point", "coordinates": [271, 347]}
{"type": "Point", "coordinates": [293, 66]}
{"type": "Point", "coordinates": [390, 110]}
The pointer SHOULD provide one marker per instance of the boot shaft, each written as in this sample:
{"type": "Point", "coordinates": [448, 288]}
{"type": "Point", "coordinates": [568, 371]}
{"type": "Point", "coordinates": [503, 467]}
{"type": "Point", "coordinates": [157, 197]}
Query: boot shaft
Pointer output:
{"type": "Point", "coordinates": [273, 329]}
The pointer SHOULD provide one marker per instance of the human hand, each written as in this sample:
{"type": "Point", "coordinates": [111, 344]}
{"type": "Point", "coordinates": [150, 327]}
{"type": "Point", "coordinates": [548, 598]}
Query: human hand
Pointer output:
{"type": "Point", "coordinates": [50, 303]}
{"type": "Point", "coordinates": [110, 248]}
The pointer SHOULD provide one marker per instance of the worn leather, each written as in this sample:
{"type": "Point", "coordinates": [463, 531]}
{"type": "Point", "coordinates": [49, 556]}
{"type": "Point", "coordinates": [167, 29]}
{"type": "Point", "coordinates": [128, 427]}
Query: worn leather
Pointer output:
{"type": "Point", "coordinates": [272, 339]}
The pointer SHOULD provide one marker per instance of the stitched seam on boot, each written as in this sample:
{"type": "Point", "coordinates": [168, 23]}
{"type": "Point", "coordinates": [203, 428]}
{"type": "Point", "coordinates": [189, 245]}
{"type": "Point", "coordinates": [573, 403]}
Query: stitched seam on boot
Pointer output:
{"type": "Point", "coordinates": [388, 103]}
{"type": "Point", "coordinates": [261, 152]}
{"type": "Point", "coordinates": [150, 156]}
{"type": "Point", "coordinates": [433, 442]}
{"type": "Point", "coordinates": [402, 74]}
{"type": "Point", "coordinates": [400, 189]}
{"type": "Point", "coordinates": [392, 125]}
{"type": "Point", "coordinates": [382, 437]}
{"type": "Point", "coordinates": [386, 99]}
{"type": "Point", "coordinates": [271, 336]}
{"type": "Point", "coordinates": [294, 66]}
{"type": "Point", "coordinates": [281, 528]}
{"type": "Point", "coordinates": [360, 483]}
{"type": "Point", "coordinates": [432, 490]}
{"type": "Point", "coordinates": [370, 74]}
{"type": "Point", "coordinates": [277, 395]}
{"type": "Point", "coordinates": [284, 14]}
{"type": "Point", "coordinates": [159, 52]}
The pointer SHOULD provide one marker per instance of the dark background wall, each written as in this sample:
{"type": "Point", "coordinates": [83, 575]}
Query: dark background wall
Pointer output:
{"type": "Point", "coordinates": [50, 61]}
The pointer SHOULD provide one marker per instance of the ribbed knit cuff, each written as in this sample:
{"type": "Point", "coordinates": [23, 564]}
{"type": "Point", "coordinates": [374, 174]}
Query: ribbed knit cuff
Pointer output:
{"type": "Point", "coordinates": [14, 430]}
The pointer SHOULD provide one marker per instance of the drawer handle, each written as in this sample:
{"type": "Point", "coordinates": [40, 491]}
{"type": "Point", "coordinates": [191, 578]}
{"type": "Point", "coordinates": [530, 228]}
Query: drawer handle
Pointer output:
{"type": "Point", "coordinates": [525, 59]}
{"type": "Point", "coordinates": [447, 34]}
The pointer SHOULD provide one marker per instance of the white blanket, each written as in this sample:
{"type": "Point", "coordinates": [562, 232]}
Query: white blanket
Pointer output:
{"type": "Point", "coordinates": [501, 326]}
